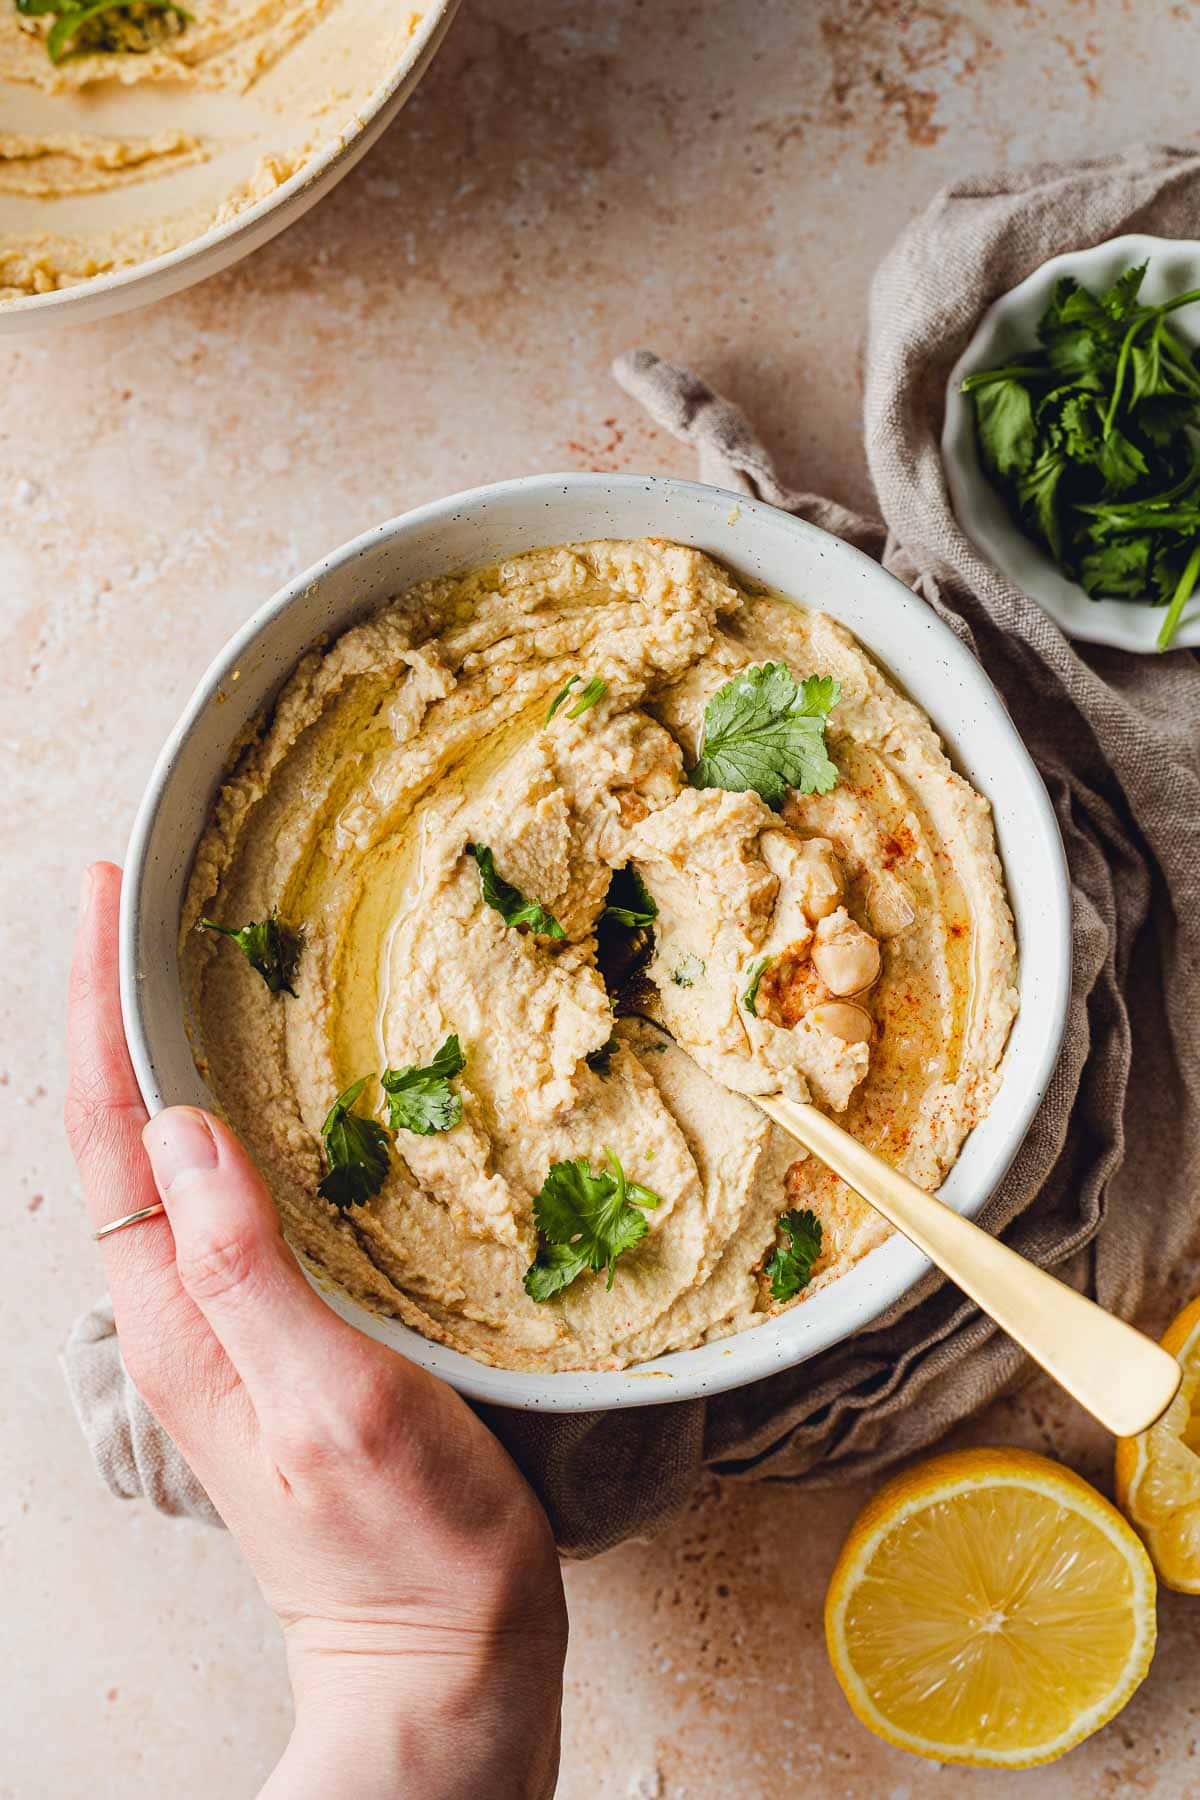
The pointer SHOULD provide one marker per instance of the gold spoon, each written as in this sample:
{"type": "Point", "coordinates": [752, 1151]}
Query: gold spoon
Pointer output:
{"type": "Point", "coordinates": [1121, 1377]}
{"type": "Point", "coordinates": [1118, 1374]}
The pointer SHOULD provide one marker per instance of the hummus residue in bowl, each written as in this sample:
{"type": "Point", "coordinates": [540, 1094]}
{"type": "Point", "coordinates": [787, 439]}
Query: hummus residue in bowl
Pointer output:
{"type": "Point", "coordinates": [852, 946]}
{"type": "Point", "coordinates": [158, 122]}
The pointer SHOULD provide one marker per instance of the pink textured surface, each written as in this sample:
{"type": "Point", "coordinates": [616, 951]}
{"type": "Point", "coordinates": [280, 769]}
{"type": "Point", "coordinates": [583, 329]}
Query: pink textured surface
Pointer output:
{"type": "Point", "coordinates": [717, 181]}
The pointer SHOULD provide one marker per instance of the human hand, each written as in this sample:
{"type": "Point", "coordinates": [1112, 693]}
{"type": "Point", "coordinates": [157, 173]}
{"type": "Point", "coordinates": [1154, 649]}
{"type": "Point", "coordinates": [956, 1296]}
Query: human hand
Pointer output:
{"type": "Point", "coordinates": [411, 1568]}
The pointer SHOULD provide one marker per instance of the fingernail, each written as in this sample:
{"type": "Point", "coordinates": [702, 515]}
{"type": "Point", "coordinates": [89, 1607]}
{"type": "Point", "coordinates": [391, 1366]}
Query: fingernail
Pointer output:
{"type": "Point", "coordinates": [179, 1142]}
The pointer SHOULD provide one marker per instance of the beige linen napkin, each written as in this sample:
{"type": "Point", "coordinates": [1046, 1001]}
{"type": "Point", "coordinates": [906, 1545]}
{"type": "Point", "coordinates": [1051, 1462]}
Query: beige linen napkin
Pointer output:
{"type": "Point", "coordinates": [1106, 1187]}
{"type": "Point", "coordinates": [130, 1447]}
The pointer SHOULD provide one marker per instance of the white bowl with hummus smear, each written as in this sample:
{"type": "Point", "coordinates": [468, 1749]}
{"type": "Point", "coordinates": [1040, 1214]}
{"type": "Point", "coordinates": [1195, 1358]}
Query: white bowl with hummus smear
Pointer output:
{"type": "Point", "coordinates": [765, 549]}
{"type": "Point", "coordinates": [127, 177]}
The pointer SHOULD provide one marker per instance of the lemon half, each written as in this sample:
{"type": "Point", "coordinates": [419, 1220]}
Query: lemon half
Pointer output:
{"type": "Point", "coordinates": [990, 1607]}
{"type": "Point", "coordinates": [1158, 1473]}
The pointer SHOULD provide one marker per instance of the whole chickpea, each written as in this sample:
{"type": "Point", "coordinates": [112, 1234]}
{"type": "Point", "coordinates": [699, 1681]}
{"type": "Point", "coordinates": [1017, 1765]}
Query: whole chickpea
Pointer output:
{"type": "Point", "coordinates": [821, 878]}
{"type": "Point", "coordinates": [850, 1024]}
{"type": "Point", "coordinates": [844, 955]}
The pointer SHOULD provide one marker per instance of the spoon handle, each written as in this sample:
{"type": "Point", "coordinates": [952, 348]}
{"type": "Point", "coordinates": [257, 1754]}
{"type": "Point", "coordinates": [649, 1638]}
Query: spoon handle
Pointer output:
{"type": "Point", "coordinates": [1120, 1376]}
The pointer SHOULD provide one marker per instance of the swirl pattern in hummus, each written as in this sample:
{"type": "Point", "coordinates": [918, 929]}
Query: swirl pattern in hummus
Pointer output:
{"type": "Point", "coordinates": [111, 158]}
{"type": "Point", "coordinates": [423, 729]}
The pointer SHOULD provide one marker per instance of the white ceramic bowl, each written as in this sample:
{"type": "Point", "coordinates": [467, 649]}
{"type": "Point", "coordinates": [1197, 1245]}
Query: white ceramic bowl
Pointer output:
{"type": "Point", "coordinates": [224, 244]}
{"type": "Point", "coordinates": [760, 543]}
{"type": "Point", "coordinates": [1008, 327]}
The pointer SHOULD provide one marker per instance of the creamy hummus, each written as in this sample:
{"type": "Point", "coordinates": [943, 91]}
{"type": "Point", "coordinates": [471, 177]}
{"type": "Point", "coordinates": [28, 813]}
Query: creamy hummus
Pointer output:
{"type": "Point", "coordinates": [109, 158]}
{"type": "Point", "coordinates": [874, 916]}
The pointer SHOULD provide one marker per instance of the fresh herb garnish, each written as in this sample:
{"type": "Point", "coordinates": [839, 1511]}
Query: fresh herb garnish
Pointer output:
{"type": "Point", "coordinates": [765, 733]}
{"type": "Point", "coordinates": [420, 1097]}
{"type": "Point", "coordinates": [132, 27]}
{"type": "Point", "coordinates": [267, 946]}
{"type": "Point", "coordinates": [629, 901]}
{"type": "Point", "coordinates": [586, 1221]}
{"type": "Point", "coordinates": [356, 1150]}
{"type": "Point", "coordinates": [508, 900]}
{"type": "Point", "coordinates": [595, 690]}
{"type": "Point", "coordinates": [791, 1269]}
{"type": "Point", "coordinates": [571, 681]}
{"type": "Point", "coordinates": [687, 970]}
{"type": "Point", "coordinates": [1091, 439]}
{"type": "Point", "coordinates": [756, 971]}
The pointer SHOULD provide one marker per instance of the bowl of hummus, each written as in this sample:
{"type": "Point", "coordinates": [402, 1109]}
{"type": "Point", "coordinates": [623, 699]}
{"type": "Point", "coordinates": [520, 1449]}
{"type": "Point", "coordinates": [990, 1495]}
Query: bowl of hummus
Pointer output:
{"type": "Point", "coordinates": [497, 864]}
{"type": "Point", "coordinates": [144, 144]}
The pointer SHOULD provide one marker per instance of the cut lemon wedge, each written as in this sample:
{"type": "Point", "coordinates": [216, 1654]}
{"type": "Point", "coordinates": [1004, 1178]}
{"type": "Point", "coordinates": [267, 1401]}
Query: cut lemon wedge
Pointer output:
{"type": "Point", "coordinates": [1158, 1473]}
{"type": "Point", "coordinates": [990, 1607]}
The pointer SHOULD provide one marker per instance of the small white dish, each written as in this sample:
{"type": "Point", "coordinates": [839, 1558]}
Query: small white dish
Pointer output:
{"type": "Point", "coordinates": [763, 545]}
{"type": "Point", "coordinates": [1008, 327]}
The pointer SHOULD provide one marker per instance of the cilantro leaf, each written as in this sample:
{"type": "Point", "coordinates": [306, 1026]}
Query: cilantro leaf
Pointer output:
{"type": "Point", "coordinates": [508, 900]}
{"type": "Point", "coordinates": [629, 901]}
{"type": "Point", "coordinates": [1070, 306]}
{"type": "Point", "coordinates": [764, 733]}
{"type": "Point", "coordinates": [1082, 433]}
{"type": "Point", "coordinates": [1119, 568]}
{"type": "Point", "coordinates": [1120, 300]}
{"type": "Point", "coordinates": [1076, 330]}
{"type": "Point", "coordinates": [554, 1268]}
{"type": "Point", "coordinates": [1007, 436]}
{"type": "Point", "coordinates": [420, 1097]}
{"type": "Point", "coordinates": [1072, 422]}
{"type": "Point", "coordinates": [356, 1150]}
{"type": "Point", "coordinates": [269, 947]}
{"type": "Point", "coordinates": [585, 1221]}
{"type": "Point", "coordinates": [756, 971]}
{"type": "Point", "coordinates": [1151, 378]}
{"type": "Point", "coordinates": [1036, 493]}
{"type": "Point", "coordinates": [791, 1269]}
{"type": "Point", "coordinates": [1120, 462]}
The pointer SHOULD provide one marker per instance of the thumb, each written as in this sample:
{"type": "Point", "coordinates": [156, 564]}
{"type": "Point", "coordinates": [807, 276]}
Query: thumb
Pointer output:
{"type": "Point", "coordinates": [232, 1258]}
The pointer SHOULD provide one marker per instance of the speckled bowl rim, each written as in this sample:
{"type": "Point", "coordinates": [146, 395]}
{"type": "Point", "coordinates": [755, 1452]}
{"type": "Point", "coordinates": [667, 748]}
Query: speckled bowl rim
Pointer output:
{"type": "Point", "coordinates": [102, 296]}
{"type": "Point", "coordinates": [753, 538]}
{"type": "Point", "coordinates": [1007, 326]}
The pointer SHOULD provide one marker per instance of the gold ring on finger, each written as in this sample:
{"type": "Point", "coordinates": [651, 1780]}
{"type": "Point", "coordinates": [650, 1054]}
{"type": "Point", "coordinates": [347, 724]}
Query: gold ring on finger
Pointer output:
{"type": "Point", "coordinates": [133, 1218]}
